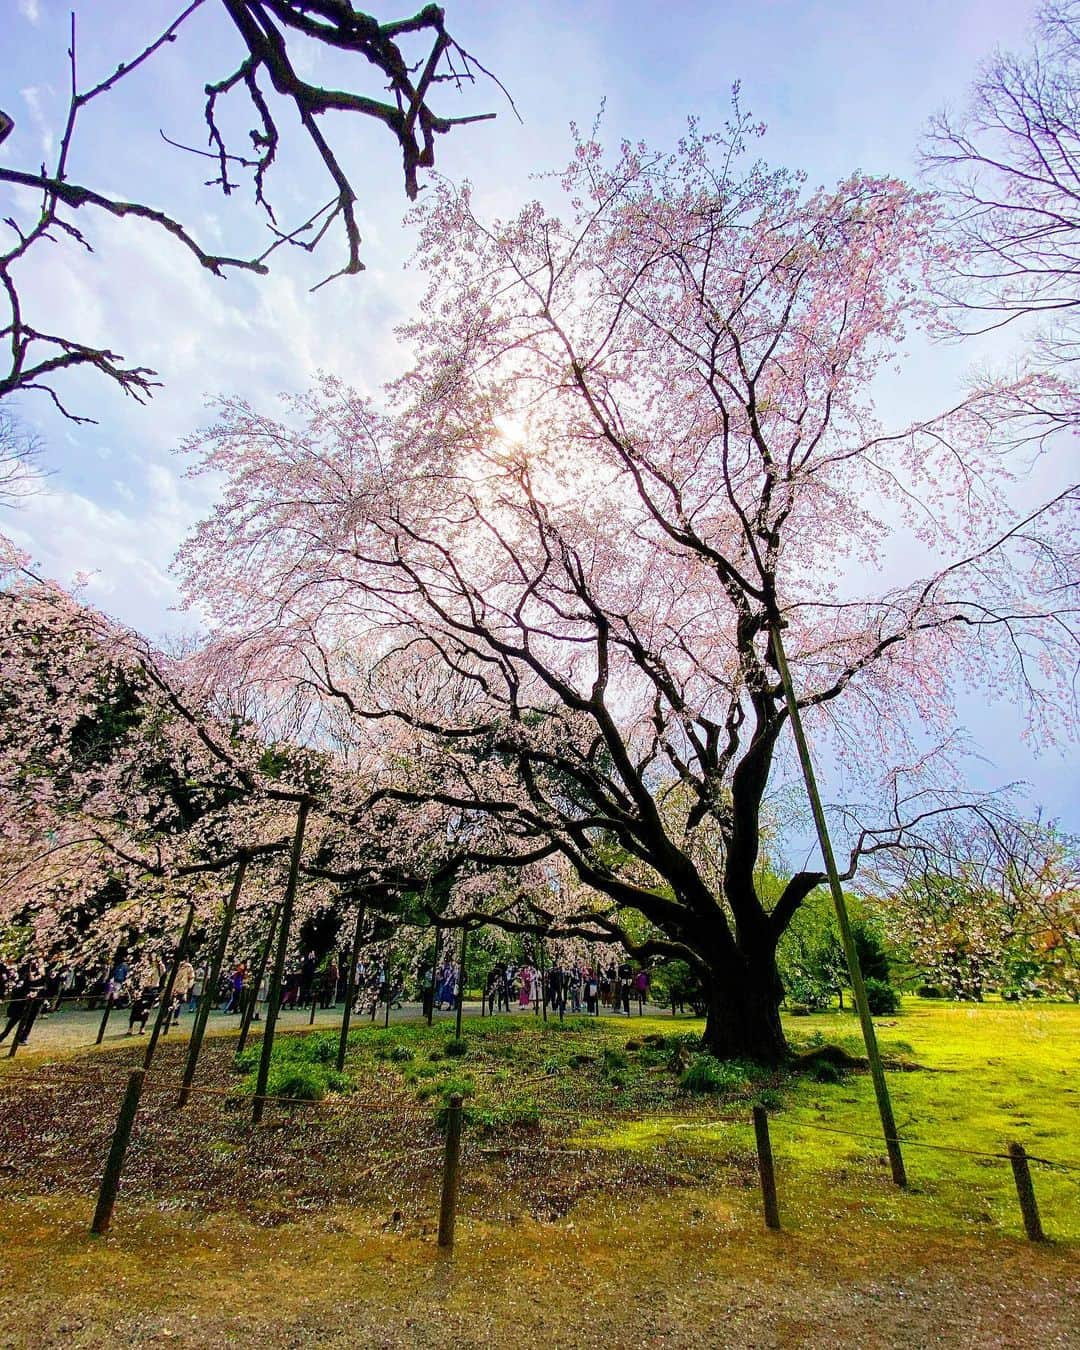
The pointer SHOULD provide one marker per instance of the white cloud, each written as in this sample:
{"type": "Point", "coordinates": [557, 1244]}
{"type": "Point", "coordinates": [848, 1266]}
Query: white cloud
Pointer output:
{"type": "Point", "coordinates": [32, 98]}
{"type": "Point", "coordinates": [125, 548]}
{"type": "Point", "coordinates": [31, 10]}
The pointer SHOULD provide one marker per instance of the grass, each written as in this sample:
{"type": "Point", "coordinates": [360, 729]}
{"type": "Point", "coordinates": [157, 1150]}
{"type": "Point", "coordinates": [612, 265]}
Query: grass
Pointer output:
{"type": "Point", "coordinates": [606, 1165]}
{"type": "Point", "coordinates": [962, 1077]}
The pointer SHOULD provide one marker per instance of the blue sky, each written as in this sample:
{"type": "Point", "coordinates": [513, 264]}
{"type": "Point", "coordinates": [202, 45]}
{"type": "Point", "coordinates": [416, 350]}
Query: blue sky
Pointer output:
{"type": "Point", "coordinates": [841, 85]}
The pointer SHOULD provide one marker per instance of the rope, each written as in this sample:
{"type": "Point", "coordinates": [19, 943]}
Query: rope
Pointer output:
{"type": "Point", "coordinates": [921, 1143]}
{"type": "Point", "coordinates": [94, 1072]}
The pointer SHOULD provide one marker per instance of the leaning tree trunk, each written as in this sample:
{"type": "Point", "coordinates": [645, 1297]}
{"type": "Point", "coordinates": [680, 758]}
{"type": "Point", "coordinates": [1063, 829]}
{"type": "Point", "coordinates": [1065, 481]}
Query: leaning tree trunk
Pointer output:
{"type": "Point", "coordinates": [743, 1009]}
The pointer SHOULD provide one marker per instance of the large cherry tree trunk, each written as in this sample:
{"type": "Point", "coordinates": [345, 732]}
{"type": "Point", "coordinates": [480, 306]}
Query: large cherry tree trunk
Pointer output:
{"type": "Point", "coordinates": [742, 1016]}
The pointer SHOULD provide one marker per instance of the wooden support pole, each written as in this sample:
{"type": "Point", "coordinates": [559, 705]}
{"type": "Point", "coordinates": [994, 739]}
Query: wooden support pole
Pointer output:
{"type": "Point", "coordinates": [1025, 1193]}
{"type": "Point", "coordinates": [543, 976]}
{"type": "Point", "coordinates": [350, 987]}
{"type": "Point", "coordinates": [766, 1169]}
{"type": "Point", "coordinates": [104, 1019]}
{"type": "Point", "coordinates": [461, 979]}
{"type": "Point", "coordinates": [249, 1011]}
{"type": "Point", "coordinates": [314, 1002]}
{"type": "Point", "coordinates": [847, 939]}
{"type": "Point", "coordinates": [451, 1173]}
{"type": "Point", "coordinates": [273, 1001]}
{"type": "Point", "coordinates": [166, 996]}
{"type": "Point", "coordinates": [213, 978]}
{"type": "Point", "coordinates": [114, 1164]}
{"type": "Point", "coordinates": [434, 974]}
{"type": "Point", "coordinates": [26, 1022]}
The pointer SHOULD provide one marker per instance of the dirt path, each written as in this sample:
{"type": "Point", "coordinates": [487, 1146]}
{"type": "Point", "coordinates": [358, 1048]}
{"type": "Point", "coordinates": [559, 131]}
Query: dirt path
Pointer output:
{"type": "Point", "coordinates": [623, 1274]}
{"type": "Point", "coordinates": [74, 1029]}
{"type": "Point", "coordinates": [77, 1029]}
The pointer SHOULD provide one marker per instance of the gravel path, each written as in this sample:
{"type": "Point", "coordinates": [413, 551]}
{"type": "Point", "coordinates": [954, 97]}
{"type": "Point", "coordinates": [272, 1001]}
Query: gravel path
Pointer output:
{"type": "Point", "coordinates": [76, 1029]}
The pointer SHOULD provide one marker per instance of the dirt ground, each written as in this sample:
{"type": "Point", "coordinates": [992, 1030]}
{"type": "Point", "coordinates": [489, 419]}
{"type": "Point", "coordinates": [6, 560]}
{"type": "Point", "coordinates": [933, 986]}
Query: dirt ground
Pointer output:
{"type": "Point", "coordinates": [319, 1228]}
{"type": "Point", "coordinates": [622, 1273]}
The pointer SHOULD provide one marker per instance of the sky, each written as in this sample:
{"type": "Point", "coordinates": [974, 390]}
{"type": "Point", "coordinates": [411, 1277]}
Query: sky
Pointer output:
{"type": "Point", "coordinates": [841, 85]}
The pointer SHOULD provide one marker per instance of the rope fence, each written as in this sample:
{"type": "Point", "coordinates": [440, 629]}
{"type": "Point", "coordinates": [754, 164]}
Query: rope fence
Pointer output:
{"type": "Point", "coordinates": [454, 1117]}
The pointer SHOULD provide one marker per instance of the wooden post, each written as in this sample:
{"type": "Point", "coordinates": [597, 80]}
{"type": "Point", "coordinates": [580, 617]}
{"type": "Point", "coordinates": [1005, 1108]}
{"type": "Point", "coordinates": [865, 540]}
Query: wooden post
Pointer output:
{"type": "Point", "coordinates": [249, 1011]}
{"type": "Point", "coordinates": [273, 1000]}
{"type": "Point", "coordinates": [26, 1021]}
{"type": "Point", "coordinates": [314, 1000]}
{"type": "Point", "coordinates": [765, 1167]}
{"type": "Point", "coordinates": [451, 1173]}
{"type": "Point", "coordinates": [213, 977]}
{"type": "Point", "coordinates": [350, 987]}
{"type": "Point", "coordinates": [847, 939]}
{"type": "Point", "coordinates": [104, 1019]}
{"type": "Point", "coordinates": [114, 1164]}
{"type": "Point", "coordinates": [543, 976]}
{"type": "Point", "coordinates": [167, 992]}
{"type": "Point", "coordinates": [1025, 1193]}
{"type": "Point", "coordinates": [434, 974]}
{"type": "Point", "coordinates": [461, 980]}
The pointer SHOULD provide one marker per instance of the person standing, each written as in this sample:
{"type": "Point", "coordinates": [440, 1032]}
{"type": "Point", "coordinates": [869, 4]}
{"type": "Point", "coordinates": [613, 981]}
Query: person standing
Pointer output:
{"type": "Point", "coordinates": [17, 1003]}
{"type": "Point", "coordinates": [307, 978]}
{"type": "Point", "coordinates": [182, 987]}
{"type": "Point", "coordinates": [236, 989]}
{"type": "Point", "coordinates": [330, 984]}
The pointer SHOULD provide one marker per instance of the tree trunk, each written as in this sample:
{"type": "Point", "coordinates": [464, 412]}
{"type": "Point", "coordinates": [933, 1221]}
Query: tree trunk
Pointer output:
{"type": "Point", "coordinates": [743, 1012]}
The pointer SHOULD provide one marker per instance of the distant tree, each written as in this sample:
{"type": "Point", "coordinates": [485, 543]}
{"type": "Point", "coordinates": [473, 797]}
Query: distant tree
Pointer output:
{"type": "Point", "coordinates": [1008, 165]}
{"type": "Point", "coordinates": [19, 453]}
{"type": "Point", "coordinates": [989, 904]}
{"type": "Point", "coordinates": [811, 958]}
{"type": "Point", "coordinates": [277, 40]}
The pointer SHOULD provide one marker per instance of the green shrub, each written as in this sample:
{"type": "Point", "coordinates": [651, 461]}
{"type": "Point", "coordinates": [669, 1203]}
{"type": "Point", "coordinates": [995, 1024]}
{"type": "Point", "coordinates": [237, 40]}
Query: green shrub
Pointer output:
{"type": "Point", "coordinates": [318, 1049]}
{"type": "Point", "coordinates": [401, 1054]}
{"type": "Point", "coordinates": [296, 1080]}
{"type": "Point", "coordinates": [680, 1050]}
{"type": "Point", "coordinates": [705, 1073]}
{"type": "Point", "coordinates": [883, 999]}
{"type": "Point", "coordinates": [457, 1047]}
{"type": "Point", "coordinates": [613, 1061]}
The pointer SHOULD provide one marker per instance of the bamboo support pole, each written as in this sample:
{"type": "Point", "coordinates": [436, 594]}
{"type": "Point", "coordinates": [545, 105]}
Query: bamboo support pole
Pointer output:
{"type": "Point", "coordinates": [114, 1164]}
{"type": "Point", "coordinates": [350, 987]}
{"type": "Point", "coordinates": [249, 1012]}
{"type": "Point", "coordinates": [847, 939]}
{"type": "Point", "coordinates": [461, 979]}
{"type": "Point", "coordinates": [165, 1004]}
{"type": "Point", "coordinates": [213, 978]}
{"type": "Point", "coordinates": [273, 1001]}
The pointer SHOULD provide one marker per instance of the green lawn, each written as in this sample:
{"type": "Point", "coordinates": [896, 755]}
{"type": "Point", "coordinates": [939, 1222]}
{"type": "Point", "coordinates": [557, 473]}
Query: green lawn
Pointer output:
{"type": "Point", "coordinates": [969, 1077]}
{"type": "Point", "coordinates": [596, 1192]}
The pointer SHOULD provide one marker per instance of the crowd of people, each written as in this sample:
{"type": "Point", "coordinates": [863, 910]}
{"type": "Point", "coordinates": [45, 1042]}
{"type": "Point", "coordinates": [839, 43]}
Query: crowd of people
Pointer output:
{"type": "Point", "coordinates": [576, 989]}
{"type": "Point", "coordinates": [32, 990]}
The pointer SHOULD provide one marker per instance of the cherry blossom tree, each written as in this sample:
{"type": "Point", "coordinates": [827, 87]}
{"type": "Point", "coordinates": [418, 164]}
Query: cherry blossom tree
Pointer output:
{"type": "Point", "coordinates": [1006, 165]}
{"type": "Point", "coordinates": [278, 44]}
{"type": "Point", "coordinates": [987, 902]}
{"type": "Point", "coordinates": [638, 438]}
